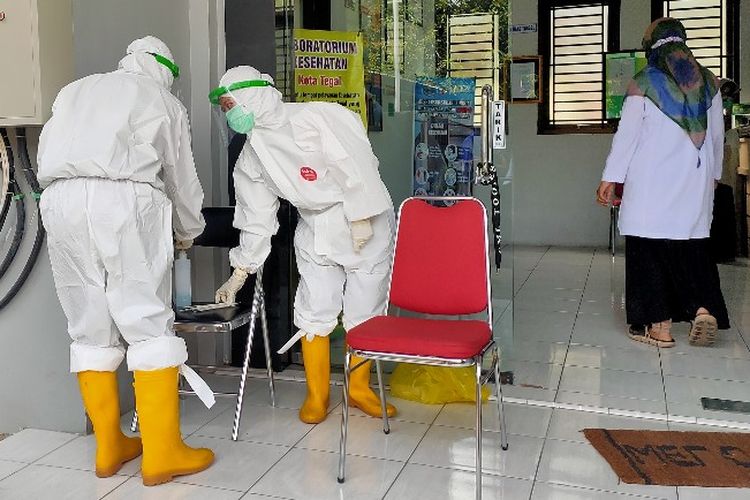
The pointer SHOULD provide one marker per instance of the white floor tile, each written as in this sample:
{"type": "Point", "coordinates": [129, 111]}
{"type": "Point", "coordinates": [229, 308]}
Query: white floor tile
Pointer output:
{"type": "Point", "coordinates": [133, 489]}
{"type": "Point", "coordinates": [288, 394]}
{"type": "Point", "coordinates": [419, 482]}
{"type": "Point", "coordinates": [407, 411]}
{"type": "Point", "coordinates": [643, 359]}
{"type": "Point", "coordinates": [238, 465]}
{"type": "Point", "coordinates": [456, 448]}
{"type": "Point", "coordinates": [529, 393]}
{"type": "Point", "coordinates": [544, 491]}
{"type": "Point", "coordinates": [604, 401]}
{"type": "Point", "coordinates": [256, 496]}
{"type": "Point", "coordinates": [568, 424]}
{"type": "Point", "coordinates": [39, 482]}
{"type": "Point", "coordinates": [517, 349]}
{"type": "Point", "coordinates": [527, 374]}
{"type": "Point", "coordinates": [194, 414]}
{"type": "Point", "coordinates": [366, 438]}
{"type": "Point", "coordinates": [261, 424]}
{"type": "Point", "coordinates": [579, 464]}
{"type": "Point", "coordinates": [692, 365]}
{"type": "Point", "coordinates": [310, 474]}
{"type": "Point", "coordinates": [692, 493]}
{"type": "Point", "coordinates": [523, 420]}
{"type": "Point", "coordinates": [690, 390]}
{"type": "Point", "coordinates": [80, 454]}
{"type": "Point", "coordinates": [612, 383]}
{"type": "Point", "coordinates": [30, 445]}
{"type": "Point", "coordinates": [8, 468]}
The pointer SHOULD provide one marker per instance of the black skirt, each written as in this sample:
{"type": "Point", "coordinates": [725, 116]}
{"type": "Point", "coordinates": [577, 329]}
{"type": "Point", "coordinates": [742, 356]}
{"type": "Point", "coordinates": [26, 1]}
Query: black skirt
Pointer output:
{"type": "Point", "coordinates": [671, 279]}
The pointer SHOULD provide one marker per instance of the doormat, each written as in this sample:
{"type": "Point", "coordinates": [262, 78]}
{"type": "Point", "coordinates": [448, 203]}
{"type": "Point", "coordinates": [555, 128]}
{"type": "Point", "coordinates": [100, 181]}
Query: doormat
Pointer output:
{"type": "Point", "coordinates": [667, 458]}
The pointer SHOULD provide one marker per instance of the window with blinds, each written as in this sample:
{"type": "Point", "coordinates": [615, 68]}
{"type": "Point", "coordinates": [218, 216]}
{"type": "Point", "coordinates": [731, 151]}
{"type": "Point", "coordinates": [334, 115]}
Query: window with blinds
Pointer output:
{"type": "Point", "coordinates": [574, 36]}
{"type": "Point", "coordinates": [708, 26]}
{"type": "Point", "coordinates": [473, 52]}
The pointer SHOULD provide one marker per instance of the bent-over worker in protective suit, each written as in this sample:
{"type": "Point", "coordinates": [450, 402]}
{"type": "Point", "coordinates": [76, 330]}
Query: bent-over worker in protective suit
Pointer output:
{"type": "Point", "coordinates": [317, 156]}
{"type": "Point", "coordinates": [118, 168]}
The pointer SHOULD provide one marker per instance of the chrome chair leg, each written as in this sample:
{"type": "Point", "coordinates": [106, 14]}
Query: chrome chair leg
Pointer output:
{"type": "Point", "coordinates": [383, 402]}
{"type": "Point", "coordinates": [612, 229]}
{"type": "Point", "coordinates": [267, 344]}
{"type": "Point", "coordinates": [246, 363]}
{"type": "Point", "coordinates": [478, 464]}
{"type": "Point", "coordinates": [500, 405]}
{"type": "Point", "coordinates": [344, 417]}
{"type": "Point", "coordinates": [134, 422]}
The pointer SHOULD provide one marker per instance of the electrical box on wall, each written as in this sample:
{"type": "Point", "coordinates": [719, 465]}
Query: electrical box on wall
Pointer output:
{"type": "Point", "coordinates": [36, 37]}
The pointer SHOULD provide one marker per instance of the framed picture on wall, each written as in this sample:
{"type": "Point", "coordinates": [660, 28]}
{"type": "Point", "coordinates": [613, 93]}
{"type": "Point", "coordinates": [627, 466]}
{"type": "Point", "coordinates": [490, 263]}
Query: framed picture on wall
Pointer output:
{"type": "Point", "coordinates": [523, 76]}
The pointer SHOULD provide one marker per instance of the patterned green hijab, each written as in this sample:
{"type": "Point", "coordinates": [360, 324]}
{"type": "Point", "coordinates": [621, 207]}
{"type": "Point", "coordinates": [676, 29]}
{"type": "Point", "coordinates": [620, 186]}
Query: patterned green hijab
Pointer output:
{"type": "Point", "coordinates": [674, 81]}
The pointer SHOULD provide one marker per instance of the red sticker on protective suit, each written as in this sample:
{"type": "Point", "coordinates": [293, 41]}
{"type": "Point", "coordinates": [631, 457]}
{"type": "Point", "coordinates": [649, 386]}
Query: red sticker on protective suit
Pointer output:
{"type": "Point", "coordinates": [308, 173]}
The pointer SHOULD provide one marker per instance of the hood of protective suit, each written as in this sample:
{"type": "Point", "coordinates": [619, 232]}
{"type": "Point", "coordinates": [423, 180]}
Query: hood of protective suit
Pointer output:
{"type": "Point", "coordinates": [140, 61]}
{"type": "Point", "coordinates": [265, 102]}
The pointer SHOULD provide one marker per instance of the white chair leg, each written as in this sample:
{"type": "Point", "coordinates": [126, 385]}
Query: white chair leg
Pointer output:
{"type": "Point", "coordinates": [500, 405]}
{"type": "Point", "coordinates": [344, 417]}
{"type": "Point", "coordinates": [246, 363]}
{"type": "Point", "coordinates": [383, 402]}
{"type": "Point", "coordinates": [479, 430]}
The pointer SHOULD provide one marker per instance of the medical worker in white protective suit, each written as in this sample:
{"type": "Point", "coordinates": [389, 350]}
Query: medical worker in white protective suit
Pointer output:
{"type": "Point", "coordinates": [120, 184]}
{"type": "Point", "coordinates": [316, 156]}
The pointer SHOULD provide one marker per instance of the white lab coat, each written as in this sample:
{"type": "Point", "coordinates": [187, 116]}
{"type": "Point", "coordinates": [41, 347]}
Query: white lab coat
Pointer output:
{"type": "Point", "coordinates": [667, 195]}
{"type": "Point", "coordinates": [117, 159]}
{"type": "Point", "coordinates": [318, 157]}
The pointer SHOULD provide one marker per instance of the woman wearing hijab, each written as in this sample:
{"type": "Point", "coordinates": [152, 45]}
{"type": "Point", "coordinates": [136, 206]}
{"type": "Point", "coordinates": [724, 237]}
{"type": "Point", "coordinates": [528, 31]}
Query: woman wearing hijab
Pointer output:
{"type": "Point", "coordinates": [668, 154]}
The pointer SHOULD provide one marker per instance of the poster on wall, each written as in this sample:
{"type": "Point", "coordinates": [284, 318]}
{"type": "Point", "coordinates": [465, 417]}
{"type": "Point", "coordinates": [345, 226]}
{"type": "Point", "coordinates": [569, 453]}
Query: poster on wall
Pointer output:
{"type": "Point", "coordinates": [619, 69]}
{"type": "Point", "coordinates": [443, 136]}
{"type": "Point", "coordinates": [329, 67]}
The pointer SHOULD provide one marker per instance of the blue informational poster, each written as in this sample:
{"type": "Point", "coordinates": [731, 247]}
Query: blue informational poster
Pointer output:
{"type": "Point", "coordinates": [443, 136]}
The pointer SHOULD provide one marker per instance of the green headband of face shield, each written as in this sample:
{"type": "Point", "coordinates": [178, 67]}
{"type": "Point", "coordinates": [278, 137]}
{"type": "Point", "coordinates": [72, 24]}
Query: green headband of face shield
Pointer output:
{"type": "Point", "coordinates": [220, 91]}
{"type": "Point", "coordinates": [169, 64]}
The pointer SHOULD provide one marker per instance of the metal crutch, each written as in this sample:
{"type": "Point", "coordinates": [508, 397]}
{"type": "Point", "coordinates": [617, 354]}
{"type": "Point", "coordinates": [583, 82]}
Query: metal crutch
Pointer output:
{"type": "Point", "coordinates": [258, 309]}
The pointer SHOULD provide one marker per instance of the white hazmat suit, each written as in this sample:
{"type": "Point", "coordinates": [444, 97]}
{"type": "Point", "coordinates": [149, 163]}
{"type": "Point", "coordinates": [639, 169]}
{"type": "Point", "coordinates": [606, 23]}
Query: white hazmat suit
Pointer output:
{"type": "Point", "coordinates": [120, 180]}
{"type": "Point", "coordinates": [318, 157]}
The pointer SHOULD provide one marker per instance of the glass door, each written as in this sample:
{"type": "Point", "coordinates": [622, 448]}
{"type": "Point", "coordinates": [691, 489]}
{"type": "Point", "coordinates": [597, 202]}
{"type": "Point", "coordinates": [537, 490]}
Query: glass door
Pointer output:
{"type": "Point", "coordinates": [426, 63]}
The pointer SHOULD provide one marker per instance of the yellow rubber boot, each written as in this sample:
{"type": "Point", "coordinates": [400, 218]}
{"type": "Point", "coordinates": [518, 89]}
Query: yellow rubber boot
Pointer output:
{"type": "Point", "coordinates": [360, 394]}
{"type": "Point", "coordinates": [102, 402]}
{"type": "Point", "coordinates": [165, 456]}
{"type": "Point", "coordinates": [316, 355]}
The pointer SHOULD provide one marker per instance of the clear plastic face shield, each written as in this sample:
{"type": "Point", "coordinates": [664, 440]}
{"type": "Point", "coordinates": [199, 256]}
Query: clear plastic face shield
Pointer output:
{"type": "Point", "coordinates": [239, 117]}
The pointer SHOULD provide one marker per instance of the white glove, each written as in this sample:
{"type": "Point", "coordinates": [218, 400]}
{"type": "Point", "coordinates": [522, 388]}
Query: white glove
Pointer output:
{"type": "Point", "coordinates": [183, 245]}
{"type": "Point", "coordinates": [361, 233]}
{"type": "Point", "coordinates": [227, 294]}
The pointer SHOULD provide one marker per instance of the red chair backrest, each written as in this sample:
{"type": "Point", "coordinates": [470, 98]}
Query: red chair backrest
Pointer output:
{"type": "Point", "coordinates": [441, 263]}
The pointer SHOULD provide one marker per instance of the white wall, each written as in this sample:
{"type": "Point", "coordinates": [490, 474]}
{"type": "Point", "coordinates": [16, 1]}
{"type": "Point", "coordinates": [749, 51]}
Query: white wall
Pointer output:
{"type": "Point", "coordinates": [556, 175]}
{"type": "Point", "coordinates": [36, 389]}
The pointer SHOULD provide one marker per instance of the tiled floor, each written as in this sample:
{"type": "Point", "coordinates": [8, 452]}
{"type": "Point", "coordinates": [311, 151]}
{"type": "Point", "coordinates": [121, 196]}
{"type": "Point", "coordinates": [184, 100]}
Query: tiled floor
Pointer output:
{"type": "Point", "coordinates": [568, 345]}
{"type": "Point", "coordinates": [573, 368]}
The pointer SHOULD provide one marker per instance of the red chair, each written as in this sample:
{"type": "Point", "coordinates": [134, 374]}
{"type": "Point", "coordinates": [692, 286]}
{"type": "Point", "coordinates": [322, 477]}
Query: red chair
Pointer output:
{"type": "Point", "coordinates": [614, 211]}
{"type": "Point", "coordinates": [440, 267]}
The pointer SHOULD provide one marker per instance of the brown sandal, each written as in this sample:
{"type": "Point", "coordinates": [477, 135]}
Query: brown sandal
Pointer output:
{"type": "Point", "coordinates": [644, 334]}
{"type": "Point", "coordinates": [703, 330]}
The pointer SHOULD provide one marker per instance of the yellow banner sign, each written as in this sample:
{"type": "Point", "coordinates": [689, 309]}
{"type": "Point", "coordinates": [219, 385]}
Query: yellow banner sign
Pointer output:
{"type": "Point", "coordinates": [329, 67]}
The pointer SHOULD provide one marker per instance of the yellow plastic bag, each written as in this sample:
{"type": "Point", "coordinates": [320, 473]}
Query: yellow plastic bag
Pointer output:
{"type": "Point", "coordinates": [435, 384]}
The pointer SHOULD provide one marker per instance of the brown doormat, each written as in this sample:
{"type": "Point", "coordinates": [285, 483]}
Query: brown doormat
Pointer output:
{"type": "Point", "coordinates": [676, 458]}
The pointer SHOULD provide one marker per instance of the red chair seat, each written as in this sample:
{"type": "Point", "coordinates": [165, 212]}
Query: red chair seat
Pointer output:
{"type": "Point", "coordinates": [421, 337]}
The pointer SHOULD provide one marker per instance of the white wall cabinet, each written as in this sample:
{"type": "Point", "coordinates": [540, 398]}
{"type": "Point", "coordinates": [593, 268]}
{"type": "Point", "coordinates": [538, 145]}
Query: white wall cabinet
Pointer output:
{"type": "Point", "coordinates": [36, 39]}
